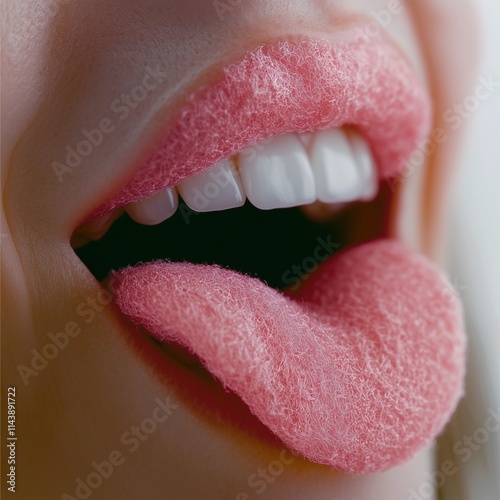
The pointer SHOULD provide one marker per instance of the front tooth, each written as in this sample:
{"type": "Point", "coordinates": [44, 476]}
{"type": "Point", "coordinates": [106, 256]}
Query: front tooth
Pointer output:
{"type": "Point", "coordinates": [278, 176]}
{"type": "Point", "coordinates": [306, 139]}
{"type": "Point", "coordinates": [218, 188]}
{"type": "Point", "coordinates": [366, 166]}
{"type": "Point", "coordinates": [335, 169]}
{"type": "Point", "coordinates": [155, 209]}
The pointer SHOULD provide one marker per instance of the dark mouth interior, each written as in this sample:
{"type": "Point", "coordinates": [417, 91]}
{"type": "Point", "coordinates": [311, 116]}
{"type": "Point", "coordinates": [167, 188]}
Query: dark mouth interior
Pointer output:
{"type": "Point", "coordinates": [272, 245]}
{"type": "Point", "coordinates": [275, 246]}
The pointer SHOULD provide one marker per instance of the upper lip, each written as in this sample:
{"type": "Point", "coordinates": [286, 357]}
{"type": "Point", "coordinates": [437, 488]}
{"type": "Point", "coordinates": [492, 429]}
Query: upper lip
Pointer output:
{"type": "Point", "coordinates": [295, 86]}
{"type": "Point", "coordinates": [290, 86]}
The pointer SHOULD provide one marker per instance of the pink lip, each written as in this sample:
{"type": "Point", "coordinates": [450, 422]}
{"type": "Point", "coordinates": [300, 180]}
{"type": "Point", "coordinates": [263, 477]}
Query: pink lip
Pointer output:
{"type": "Point", "coordinates": [359, 370]}
{"type": "Point", "coordinates": [290, 87]}
{"type": "Point", "coordinates": [345, 373]}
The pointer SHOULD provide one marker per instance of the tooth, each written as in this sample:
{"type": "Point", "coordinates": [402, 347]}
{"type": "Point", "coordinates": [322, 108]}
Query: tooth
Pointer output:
{"type": "Point", "coordinates": [96, 229]}
{"type": "Point", "coordinates": [306, 139]}
{"type": "Point", "coordinates": [335, 171]}
{"type": "Point", "coordinates": [366, 164]}
{"type": "Point", "coordinates": [279, 175]}
{"type": "Point", "coordinates": [218, 188]}
{"type": "Point", "coordinates": [154, 209]}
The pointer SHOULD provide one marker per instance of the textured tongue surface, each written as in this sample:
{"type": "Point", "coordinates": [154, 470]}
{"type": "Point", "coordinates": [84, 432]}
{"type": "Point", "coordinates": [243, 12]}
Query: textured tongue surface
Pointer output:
{"type": "Point", "coordinates": [359, 370]}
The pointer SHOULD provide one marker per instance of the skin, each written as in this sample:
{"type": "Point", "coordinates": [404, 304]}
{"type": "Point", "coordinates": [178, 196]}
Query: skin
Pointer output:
{"type": "Point", "coordinates": [59, 77]}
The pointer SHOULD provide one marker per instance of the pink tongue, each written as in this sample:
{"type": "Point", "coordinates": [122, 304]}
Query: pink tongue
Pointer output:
{"type": "Point", "coordinates": [359, 371]}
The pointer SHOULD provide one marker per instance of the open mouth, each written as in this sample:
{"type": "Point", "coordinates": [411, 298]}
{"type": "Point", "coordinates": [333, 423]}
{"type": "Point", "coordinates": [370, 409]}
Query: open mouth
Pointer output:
{"type": "Point", "coordinates": [349, 349]}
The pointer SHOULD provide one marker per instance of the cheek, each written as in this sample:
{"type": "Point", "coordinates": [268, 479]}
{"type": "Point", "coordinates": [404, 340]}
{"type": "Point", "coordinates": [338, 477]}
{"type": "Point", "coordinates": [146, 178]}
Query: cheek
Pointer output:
{"type": "Point", "coordinates": [452, 63]}
{"type": "Point", "coordinates": [79, 91]}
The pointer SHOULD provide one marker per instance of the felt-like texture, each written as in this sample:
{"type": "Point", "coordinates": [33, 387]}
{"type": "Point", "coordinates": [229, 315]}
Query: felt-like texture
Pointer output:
{"type": "Point", "coordinates": [359, 370]}
{"type": "Point", "coordinates": [291, 87]}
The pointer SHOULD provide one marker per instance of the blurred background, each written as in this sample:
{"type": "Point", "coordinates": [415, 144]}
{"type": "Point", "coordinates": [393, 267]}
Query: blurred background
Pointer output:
{"type": "Point", "coordinates": [475, 271]}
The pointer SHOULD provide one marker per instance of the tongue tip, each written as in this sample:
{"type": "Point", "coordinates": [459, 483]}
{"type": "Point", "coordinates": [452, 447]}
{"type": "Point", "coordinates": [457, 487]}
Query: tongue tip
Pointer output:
{"type": "Point", "coordinates": [361, 375]}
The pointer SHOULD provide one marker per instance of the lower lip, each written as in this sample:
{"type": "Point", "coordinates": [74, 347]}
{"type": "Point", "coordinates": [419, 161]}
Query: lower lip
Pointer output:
{"type": "Point", "coordinates": [199, 391]}
{"type": "Point", "coordinates": [381, 97]}
{"type": "Point", "coordinates": [183, 375]}
{"type": "Point", "coordinates": [379, 307]}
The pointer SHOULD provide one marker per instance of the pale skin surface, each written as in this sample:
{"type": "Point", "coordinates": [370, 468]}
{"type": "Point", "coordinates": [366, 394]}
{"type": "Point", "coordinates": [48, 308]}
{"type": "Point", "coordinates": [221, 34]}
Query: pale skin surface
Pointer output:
{"type": "Point", "coordinates": [59, 77]}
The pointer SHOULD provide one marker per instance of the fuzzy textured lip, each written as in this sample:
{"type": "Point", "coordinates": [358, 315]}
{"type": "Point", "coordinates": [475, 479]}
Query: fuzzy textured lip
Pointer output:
{"type": "Point", "coordinates": [291, 86]}
{"type": "Point", "coordinates": [358, 370]}
{"type": "Point", "coordinates": [298, 356]}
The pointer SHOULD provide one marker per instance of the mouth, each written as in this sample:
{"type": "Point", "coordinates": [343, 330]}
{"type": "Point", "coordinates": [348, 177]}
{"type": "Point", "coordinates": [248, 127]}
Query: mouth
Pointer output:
{"type": "Point", "coordinates": [260, 247]}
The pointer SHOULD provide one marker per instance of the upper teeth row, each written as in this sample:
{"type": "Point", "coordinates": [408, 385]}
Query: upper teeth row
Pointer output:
{"type": "Point", "coordinates": [332, 166]}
